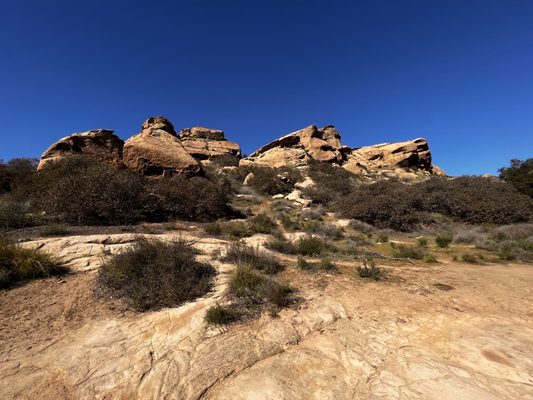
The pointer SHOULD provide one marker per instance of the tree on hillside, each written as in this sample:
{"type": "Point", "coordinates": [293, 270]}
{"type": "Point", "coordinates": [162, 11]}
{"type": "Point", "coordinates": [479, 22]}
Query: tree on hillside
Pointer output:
{"type": "Point", "coordinates": [520, 175]}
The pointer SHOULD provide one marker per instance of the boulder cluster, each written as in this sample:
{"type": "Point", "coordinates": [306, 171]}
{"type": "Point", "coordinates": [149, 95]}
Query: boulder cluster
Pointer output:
{"type": "Point", "coordinates": [404, 160]}
{"type": "Point", "coordinates": [157, 150]}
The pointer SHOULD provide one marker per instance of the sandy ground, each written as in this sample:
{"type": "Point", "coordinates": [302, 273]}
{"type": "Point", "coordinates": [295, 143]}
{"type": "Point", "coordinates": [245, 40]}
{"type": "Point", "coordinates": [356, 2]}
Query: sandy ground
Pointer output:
{"type": "Point", "coordinates": [429, 331]}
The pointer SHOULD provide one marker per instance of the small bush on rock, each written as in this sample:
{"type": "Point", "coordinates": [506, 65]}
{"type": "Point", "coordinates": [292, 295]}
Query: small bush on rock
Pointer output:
{"type": "Point", "coordinates": [220, 315]}
{"type": "Point", "coordinates": [18, 264]}
{"type": "Point", "coordinates": [153, 274]}
{"type": "Point", "coordinates": [262, 223]}
{"type": "Point", "coordinates": [241, 254]}
{"type": "Point", "coordinates": [280, 244]}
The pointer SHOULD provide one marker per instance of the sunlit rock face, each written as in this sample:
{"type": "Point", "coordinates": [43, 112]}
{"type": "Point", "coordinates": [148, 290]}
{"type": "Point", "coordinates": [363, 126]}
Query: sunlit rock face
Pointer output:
{"type": "Point", "coordinates": [101, 144]}
{"type": "Point", "coordinates": [157, 151]}
{"type": "Point", "coordinates": [404, 160]}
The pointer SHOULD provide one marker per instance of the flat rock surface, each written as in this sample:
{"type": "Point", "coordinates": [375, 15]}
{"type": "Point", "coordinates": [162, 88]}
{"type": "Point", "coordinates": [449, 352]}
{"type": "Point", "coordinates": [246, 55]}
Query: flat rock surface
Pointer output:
{"type": "Point", "coordinates": [442, 331]}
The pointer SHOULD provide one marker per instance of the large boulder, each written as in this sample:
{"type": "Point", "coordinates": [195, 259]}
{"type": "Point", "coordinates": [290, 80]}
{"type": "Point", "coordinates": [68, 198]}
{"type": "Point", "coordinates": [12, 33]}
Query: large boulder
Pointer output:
{"type": "Point", "coordinates": [208, 144]}
{"type": "Point", "coordinates": [402, 159]}
{"type": "Point", "coordinates": [157, 151]}
{"type": "Point", "coordinates": [102, 144]}
{"type": "Point", "coordinates": [299, 148]}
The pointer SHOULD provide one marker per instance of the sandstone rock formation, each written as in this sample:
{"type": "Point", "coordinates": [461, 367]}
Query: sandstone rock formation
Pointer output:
{"type": "Point", "coordinates": [102, 144]}
{"type": "Point", "coordinates": [157, 151]}
{"type": "Point", "coordinates": [207, 144]}
{"type": "Point", "coordinates": [404, 160]}
{"type": "Point", "coordinates": [299, 147]}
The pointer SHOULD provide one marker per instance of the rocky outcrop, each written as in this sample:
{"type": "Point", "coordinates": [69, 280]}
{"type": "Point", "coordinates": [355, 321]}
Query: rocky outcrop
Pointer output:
{"type": "Point", "coordinates": [157, 151]}
{"type": "Point", "coordinates": [102, 144]}
{"type": "Point", "coordinates": [206, 144]}
{"type": "Point", "coordinates": [300, 147]}
{"type": "Point", "coordinates": [405, 160]}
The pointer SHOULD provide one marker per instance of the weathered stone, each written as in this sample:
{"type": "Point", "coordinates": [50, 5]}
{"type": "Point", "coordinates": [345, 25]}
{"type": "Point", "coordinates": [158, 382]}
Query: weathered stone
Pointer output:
{"type": "Point", "coordinates": [299, 147]}
{"type": "Point", "coordinates": [249, 179]}
{"type": "Point", "coordinates": [101, 144]}
{"type": "Point", "coordinates": [324, 145]}
{"type": "Point", "coordinates": [206, 144]}
{"type": "Point", "coordinates": [157, 151]}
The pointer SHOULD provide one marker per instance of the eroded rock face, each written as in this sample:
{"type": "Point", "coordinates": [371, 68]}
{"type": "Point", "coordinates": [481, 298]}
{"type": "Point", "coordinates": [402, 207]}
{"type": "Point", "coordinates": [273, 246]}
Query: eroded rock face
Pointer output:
{"type": "Point", "coordinates": [208, 144]}
{"type": "Point", "coordinates": [157, 151]}
{"type": "Point", "coordinates": [403, 160]}
{"type": "Point", "coordinates": [101, 144]}
{"type": "Point", "coordinates": [300, 147]}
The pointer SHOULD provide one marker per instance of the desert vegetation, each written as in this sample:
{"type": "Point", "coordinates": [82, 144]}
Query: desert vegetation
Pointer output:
{"type": "Point", "coordinates": [252, 286]}
{"type": "Point", "coordinates": [20, 264]}
{"type": "Point", "coordinates": [153, 274]}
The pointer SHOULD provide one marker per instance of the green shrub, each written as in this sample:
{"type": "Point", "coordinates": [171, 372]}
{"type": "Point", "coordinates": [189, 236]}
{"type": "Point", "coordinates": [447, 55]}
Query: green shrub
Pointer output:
{"type": "Point", "coordinates": [278, 294]}
{"type": "Point", "coordinates": [18, 264]}
{"type": "Point", "coordinates": [325, 264]}
{"type": "Point", "coordinates": [443, 241]}
{"type": "Point", "coordinates": [245, 282]}
{"type": "Point", "coordinates": [15, 172]}
{"type": "Point", "coordinates": [262, 223]}
{"type": "Point", "coordinates": [470, 258]}
{"type": "Point", "coordinates": [214, 228]}
{"type": "Point", "coordinates": [280, 244]}
{"type": "Point", "coordinates": [311, 246]}
{"type": "Point", "coordinates": [474, 200]}
{"type": "Point", "coordinates": [232, 229]}
{"type": "Point", "coordinates": [302, 263]}
{"type": "Point", "coordinates": [241, 254]}
{"type": "Point", "coordinates": [404, 251]}
{"type": "Point", "coordinates": [422, 242]}
{"type": "Point", "coordinates": [520, 175]}
{"type": "Point", "coordinates": [192, 199]}
{"type": "Point", "coordinates": [326, 189]}
{"type": "Point", "coordinates": [220, 315]}
{"type": "Point", "coordinates": [153, 274]}
{"type": "Point", "coordinates": [82, 190]}
{"type": "Point", "coordinates": [430, 258]}
{"type": "Point", "coordinates": [256, 289]}
{"type": "Point", "coordinates": [14, 215]}
{"type": "Point", "coordinates": [323, 229]}
{"type": "Point", "coordinates": [270, 181]}
{"type": "Point", "coordinates": [508, 250]}
{"type": "Point", "coordinates": [55, 230]}
{"type": "Point", "coordinates": [370, 270]}
{"type": "Point", "coordinates": [382, 238]}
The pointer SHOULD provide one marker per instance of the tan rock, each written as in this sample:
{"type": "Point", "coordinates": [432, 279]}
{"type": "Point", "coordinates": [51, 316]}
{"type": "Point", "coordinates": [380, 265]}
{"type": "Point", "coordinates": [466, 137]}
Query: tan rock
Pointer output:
{"type": "Point", "coordinates": [299, 147]}
{"type": "Point", "coordinates": [403, 159]}
{"type": "Point", "coordinates": [207, 144]}
{"type": "Point", "coordinates": [101, 144]}
{"type": "Point", "coordinates": [248, 179]}
{"type": "Point", "coordinates": [157, 151]}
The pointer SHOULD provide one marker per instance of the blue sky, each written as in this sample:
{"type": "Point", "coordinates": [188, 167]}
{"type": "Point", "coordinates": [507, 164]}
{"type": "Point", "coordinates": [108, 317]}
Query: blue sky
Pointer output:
{"type": "Point", "coordinates": [458, 72]}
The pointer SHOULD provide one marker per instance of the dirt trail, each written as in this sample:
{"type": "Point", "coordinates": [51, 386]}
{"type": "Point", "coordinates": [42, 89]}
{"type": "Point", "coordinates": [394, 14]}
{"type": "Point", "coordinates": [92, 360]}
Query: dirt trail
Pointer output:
{"type": "Point", "coordinates": [444, 331]}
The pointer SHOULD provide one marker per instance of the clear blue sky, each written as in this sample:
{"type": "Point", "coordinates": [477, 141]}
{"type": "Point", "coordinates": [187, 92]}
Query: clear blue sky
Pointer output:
{"type": "Point", "coordinates": [458, 72]}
